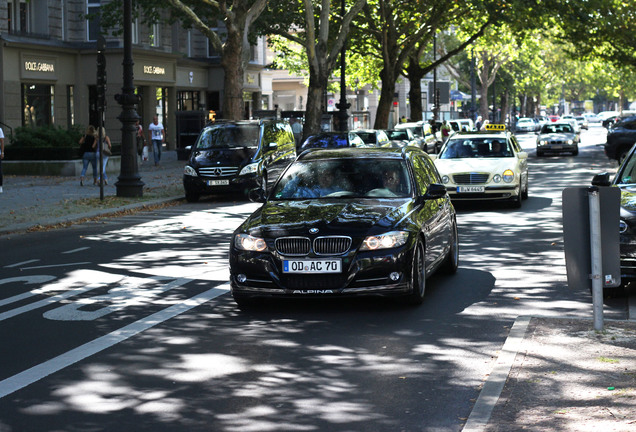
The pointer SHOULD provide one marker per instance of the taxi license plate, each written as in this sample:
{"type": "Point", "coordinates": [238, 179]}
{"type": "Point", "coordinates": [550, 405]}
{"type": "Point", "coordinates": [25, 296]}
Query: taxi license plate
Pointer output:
{"type": "Point", "coordinates": [312, 266]}
{"type": "Point", "coordinates": [470, 189]}
{"type": "Point", "coordinates": [217, 182]}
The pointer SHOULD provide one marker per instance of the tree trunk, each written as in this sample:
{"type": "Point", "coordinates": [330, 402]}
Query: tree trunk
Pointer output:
{"type": "Point", "coordinates": [415, 75]}
{"type": "Point", "coordinates": [386, 99]}
{"type": "Point", "coordinates": [314, 108]}
{"type": "Point", "coordinates": [233, 108]}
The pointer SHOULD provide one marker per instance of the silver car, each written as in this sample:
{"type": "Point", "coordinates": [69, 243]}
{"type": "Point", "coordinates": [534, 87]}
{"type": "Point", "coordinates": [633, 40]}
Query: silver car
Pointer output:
{"type": "Point", "coordinates": [558, 137]}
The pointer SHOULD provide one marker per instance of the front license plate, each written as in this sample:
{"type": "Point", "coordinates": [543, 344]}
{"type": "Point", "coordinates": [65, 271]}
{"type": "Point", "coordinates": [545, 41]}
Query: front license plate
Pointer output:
{"type": "Point", "coordinates": [557, 147]}
{"type": "Point", "coordinates": [312, 266]}
{"type": "Point", "coordinates": [470, 189]}
{"type": "Point", "coordinates": [218, 182]}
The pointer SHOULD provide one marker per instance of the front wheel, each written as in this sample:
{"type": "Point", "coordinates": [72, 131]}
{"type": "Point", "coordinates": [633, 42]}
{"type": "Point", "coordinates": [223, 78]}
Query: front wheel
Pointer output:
{"type": "Point", "coordinates": [451, 262]}
{"type": "Point", "coordinates": [418, 275]}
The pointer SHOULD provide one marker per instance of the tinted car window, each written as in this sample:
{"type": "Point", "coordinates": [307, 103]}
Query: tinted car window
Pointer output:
{"type": "Point", "coordinates": [344, 178]}
{"type": "Point", "coordinates": [228, 136]}
{"type": "Point", "coordinates": [324, 141]}
{"type": "Point", "coordinates": [367, 137]}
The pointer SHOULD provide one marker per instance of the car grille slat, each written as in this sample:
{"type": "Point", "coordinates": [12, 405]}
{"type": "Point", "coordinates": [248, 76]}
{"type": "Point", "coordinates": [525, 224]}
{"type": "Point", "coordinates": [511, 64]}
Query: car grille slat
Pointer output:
{"type": "Point", "coordinates": [218, 171]}
{"type": "Point", "coordinates": [471, 178]}
{"type": "Point", "coordinates": [293, 245]}
{"type": "Point", "coordinates": [333, 245]}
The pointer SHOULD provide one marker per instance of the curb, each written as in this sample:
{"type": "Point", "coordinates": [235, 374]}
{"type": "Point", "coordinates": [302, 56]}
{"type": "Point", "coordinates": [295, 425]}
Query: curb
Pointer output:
{"type": "Point", "coordinates": [24, 227]}
{"type": "Point", "coordinates": [494, 385]}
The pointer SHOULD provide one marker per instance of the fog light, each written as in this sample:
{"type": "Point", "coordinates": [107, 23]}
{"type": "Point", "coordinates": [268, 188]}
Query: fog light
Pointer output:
{"type": "Point", "coordinates": [394, 276]}
{"type": "Point", "coordinates": [241, 278]}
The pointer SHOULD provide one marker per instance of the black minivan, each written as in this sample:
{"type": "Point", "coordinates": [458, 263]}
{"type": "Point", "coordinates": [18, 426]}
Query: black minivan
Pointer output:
{"type": "Point", "coordinates": [236, 156]}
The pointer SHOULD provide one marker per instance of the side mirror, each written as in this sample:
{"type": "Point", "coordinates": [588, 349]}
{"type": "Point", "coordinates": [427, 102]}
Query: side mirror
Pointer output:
{"type": "Point", "coordinates": [435, 191]}
{"type": "Point", "coordinates": [188, 148]}
{"type": "Point", "coordinates": [257, 195]}
{"type": "Point", "coordinates": [602, 179]}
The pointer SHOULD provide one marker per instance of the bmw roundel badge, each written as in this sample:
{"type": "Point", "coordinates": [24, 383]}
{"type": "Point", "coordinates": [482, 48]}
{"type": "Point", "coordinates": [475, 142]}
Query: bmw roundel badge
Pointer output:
{"type": "Point", "coordinates": [313, 230]}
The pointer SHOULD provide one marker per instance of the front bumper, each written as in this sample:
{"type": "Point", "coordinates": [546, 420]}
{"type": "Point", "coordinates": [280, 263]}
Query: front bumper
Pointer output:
{"type": "Point", "coordinates": [203, 185]}
{"type": "Point", "coordinates": [363, 274]}
{"type": "Point", "coordinates": [498, 192]}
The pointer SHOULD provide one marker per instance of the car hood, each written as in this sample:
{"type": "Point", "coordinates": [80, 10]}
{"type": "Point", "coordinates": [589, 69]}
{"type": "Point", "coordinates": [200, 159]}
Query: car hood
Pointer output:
{"type": "Point", "coordinates": [556, 136]}
{"type": "Point", "coordinates": [330, 217]}
{"type": "Point", "coordinates": [222, 157]}
{"type": "Point", "coordinates": [495, 165]}
{"type": "Point", "coordinates": [628, 197]}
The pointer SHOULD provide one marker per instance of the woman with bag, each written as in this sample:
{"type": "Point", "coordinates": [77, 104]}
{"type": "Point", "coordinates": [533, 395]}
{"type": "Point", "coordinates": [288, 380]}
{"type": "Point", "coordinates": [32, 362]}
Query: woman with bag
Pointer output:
{"type": "Point", "coordinates": [141, 140]}
{"type": "Point", "coordinates": [106, 150]}
{"type": "Point", "coordinates": [88, 154]}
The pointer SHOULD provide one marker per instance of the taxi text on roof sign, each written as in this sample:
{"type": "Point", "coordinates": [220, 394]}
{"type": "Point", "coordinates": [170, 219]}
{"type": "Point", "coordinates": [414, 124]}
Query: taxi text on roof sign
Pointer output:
{"type": "Point", "coordinates": [495, 127]}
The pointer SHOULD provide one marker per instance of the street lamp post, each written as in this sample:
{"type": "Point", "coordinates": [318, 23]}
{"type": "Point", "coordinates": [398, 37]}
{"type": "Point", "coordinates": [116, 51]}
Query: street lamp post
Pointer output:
{"type": "Point", "coordinates": [343, 105]}
{"type": "Point", "coordinates": [129, 184]}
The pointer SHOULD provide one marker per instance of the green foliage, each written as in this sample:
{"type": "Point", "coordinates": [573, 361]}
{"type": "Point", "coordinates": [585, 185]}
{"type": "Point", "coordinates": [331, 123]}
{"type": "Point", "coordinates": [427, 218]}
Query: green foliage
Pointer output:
{"type": "Point", "coordinates": [46, 136]}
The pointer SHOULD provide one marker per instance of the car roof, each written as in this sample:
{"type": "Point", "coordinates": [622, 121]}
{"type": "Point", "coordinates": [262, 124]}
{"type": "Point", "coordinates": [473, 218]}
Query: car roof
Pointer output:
{"type": "Point", "coordinates": [358, 152]}
{"type": "Point", "coordinates": [481, 134]}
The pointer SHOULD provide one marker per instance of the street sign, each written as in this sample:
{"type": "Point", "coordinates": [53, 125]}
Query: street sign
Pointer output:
{"type": "Point", "coordinates": [576, 235]}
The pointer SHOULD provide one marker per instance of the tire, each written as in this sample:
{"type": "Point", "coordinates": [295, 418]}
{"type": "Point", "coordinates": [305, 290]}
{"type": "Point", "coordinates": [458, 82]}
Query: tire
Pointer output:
{"type": "Point", "coordinates": [575, 152]}
{"type": "Point", "coordinates": [417, 281]}
{"type": "Point", "coordinates": [524, 192]}
{"type": "Point", "coordinates": [451, 262]}
{"type": "Point", "coordinates": [516, 201]}
{"type": "Point", "coordinates": [192, 196]}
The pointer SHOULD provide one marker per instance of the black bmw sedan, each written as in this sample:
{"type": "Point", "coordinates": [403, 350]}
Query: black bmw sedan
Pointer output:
{"type": "Point", "coordinates": [347, 222]}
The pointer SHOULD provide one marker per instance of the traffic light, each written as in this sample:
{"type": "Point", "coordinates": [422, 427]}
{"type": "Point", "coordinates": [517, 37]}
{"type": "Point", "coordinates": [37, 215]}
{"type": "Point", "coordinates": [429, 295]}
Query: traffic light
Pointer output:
{"type": "Point", "coordinates": [101, 80]}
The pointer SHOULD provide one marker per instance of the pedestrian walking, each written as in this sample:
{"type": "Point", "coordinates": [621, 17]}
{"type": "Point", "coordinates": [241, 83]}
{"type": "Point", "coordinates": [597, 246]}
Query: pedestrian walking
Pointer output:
{"type": "Point", "coordinates": [141, 139]}
{"type": "Point", "coordinates": [88, 153]}
{"type": "Point", "coordinates": [478, 123]}
{"type": "Point", "coordinates": [157, 138]}
{"type": "Point", "coordinates": [1, 156]}
{"type": "Point", "coordinates": [105, 148]}
{"type": "Point", "coordinates": [446, 130]}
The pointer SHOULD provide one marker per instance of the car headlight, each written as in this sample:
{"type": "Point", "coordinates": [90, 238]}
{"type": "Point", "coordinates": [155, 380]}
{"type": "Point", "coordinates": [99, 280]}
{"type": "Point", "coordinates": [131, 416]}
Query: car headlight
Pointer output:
{"type": "Point", "coordinates": [189, 171]}
{"type": "Point", "coordinates": [570, 142]}
{"type": "Point", "coordinates": [249, 243]}
{"type": "Point", "coordinates": [445, 179]}
{"type": "Point", "coordinates": [508, 176]}
{"type": "Point", "coordinates": [496, 178]}
{"type": "Point", "coordinates": [385, 241]}
{"type": "Point", "coordinates": [543, 142]}
{"type": "Point", "coordinates": [249, 169]}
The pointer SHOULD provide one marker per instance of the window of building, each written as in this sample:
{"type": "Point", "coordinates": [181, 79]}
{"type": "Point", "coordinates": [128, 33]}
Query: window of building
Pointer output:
{"type": "Point", "coordinates": [135, 31]}
{"type": "Point", "coordinates": [70, 105]}
{"type": "Point", "coordinates": [18, 16]}
{"type": "Point", "coordinates": [38, 101]}
{"type": "Point", "coordinates": [155, 36]}
{"type": "Point", "coordinates": [187, 100]}
{"type": "Point", "coordinates": [92, 21]}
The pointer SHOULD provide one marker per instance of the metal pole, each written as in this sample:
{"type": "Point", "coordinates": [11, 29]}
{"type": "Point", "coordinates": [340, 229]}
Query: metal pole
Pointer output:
{"type": "Point", "coordinates": [129, 182]}
{"type": "Point", "coordinates": [596, 257]}
{"type": "Point", "coordinates": [343, 105]}
{"type": "Point", "coordinates": [473, 87]}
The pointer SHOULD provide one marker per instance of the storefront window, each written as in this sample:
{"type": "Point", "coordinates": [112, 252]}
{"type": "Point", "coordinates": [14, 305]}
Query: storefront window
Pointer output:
{"type": "Point", "coordinates": [187, 100]}
{"type": "Point", "coordinates": [37, 104]}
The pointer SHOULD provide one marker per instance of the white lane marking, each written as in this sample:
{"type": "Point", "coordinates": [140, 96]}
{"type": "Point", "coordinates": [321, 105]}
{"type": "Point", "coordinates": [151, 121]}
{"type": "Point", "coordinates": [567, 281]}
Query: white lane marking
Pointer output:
{"type": "Point", "coordinates": [29, 280]}
{"type": "Point", "coordinates": [76, 250]}
{"type": "Point", "coordinates": [55, 265]}
{"type": "Point", "coordinates": [36, 373]}
{"type": "Point", "coordinates": [21, 263]}
{"type": "Point", "coordinates": [130, 292]}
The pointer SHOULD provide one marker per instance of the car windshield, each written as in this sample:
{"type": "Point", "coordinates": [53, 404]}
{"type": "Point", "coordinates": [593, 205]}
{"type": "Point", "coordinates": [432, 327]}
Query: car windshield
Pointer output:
{"type": "Point", "coordinates": [326, 141]}
{"type": "Point", "coordinates": [556, 128]}
{"type": "Point", "coordinates": [486, 147]}
{"type": "Point", "coordinates": [228, 136]}
{"type": "Point", "coordinates": [628, 174]}
{"type": "Point", "coordinates": [367, 137]}
{"type": "Point", "coordinates": [398, 135]}
{"type": "Point", "coordinates": [344, 178]}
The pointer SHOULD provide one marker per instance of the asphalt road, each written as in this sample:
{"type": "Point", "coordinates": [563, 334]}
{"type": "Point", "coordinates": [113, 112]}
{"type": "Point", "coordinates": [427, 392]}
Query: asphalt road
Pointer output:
{"type": "Point", "coordinates": [127, 324]}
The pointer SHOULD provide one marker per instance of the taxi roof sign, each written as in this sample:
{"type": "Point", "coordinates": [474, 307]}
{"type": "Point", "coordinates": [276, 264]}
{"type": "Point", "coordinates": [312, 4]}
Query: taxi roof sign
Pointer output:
{"type": "Point", "coordinates": [495, 127]}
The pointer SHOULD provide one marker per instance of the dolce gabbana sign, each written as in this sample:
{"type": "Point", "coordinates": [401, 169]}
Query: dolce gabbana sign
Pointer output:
{"type": "Point", "coordinates": [154, 70]}
{"type": "Point", "coordinates": [39, 67]}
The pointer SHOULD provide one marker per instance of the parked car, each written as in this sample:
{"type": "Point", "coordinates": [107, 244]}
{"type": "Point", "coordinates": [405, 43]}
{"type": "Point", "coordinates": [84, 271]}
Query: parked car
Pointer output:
{"type": "Point", "coordinates": [373, 137]}
{"type": "Point", "coordinates": [591, 118]}
{"type": "Point", "coordinates": [347, 222]}
{"type": "Point", "coordinates": [557, 138]}
{"type": "Point", "coordinates": [625, 180]}
{"type": "Point", "coordinates": [401, 138]}
{"type": "Point", "coordinates": [236, 156]}
{"type": "Point", "coordinates": [553, 118]}
{"type": "Point", "coordinates": [526, 124]}
{"type": "Point", "coordinates": [423, 133]}
{"type": "Point", "coordinates": [484, 165]}
{"type": "Point", "coordinates": [621, 138]}
{"type": "Point", "coordinates": [462, 125]}
{"type": "Point", "coordinates": [582, 122]}
{"type": "Point", "coordinates": [333, 140]}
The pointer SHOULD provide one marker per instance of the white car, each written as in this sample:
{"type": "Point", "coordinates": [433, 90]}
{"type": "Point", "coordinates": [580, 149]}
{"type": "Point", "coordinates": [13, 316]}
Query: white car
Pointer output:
{"type": "Point", "coordinates": [484, 165]}
{"type": "Point", "coordinates": [526, 124]}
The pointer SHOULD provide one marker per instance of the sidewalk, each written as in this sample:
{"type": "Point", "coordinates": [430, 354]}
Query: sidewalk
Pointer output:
{"type": "Point", "coordinates": [551, 374]}
{"type": "Point", "coordinates": [29, 202]}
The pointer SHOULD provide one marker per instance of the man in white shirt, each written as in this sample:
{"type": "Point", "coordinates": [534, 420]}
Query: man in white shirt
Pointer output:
{"type": "Point", "coordinates": [157, 138]}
